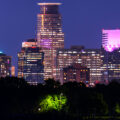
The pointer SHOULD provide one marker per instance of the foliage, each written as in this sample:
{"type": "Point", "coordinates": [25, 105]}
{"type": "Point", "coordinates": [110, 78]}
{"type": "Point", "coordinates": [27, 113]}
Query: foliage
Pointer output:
{"type": "Point", "coordinates": [117, 108]}
{"type": "Point", "coordinates": [53, 102]}
{"type": "Point", "coordinates": [17, 97]}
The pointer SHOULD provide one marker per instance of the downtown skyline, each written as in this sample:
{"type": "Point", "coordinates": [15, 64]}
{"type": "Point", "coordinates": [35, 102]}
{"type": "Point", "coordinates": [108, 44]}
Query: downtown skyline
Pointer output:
{"type": "Point", "coordinates": [82, 22]}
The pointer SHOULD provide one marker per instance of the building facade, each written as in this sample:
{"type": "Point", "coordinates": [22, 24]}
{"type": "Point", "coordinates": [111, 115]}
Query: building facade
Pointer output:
{"type": "Point", "coordinates": [111, 54]}
{"type": "Point", "coordinates": [31, 63]}
{"type": "Point", "coordinates": [91, 58]}
{"type": "Point", "coordinates": [49, 36]}
{"type": "Point", "coordinates": [111, 65]}
{"type": "Point", "coordinates": [111, 39]}
{"type": "Point", "coordinates": [5, 65]}
{"type": "Point", "coordinates": [75, 73]}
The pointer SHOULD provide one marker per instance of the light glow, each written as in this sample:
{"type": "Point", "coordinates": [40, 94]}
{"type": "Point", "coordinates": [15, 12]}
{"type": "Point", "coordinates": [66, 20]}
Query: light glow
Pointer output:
{"type": "Point", "coordinates": [1, 52]}
{"type": "Point", "coordinates": [49, 3]}
{"type": "Point", "coordinates": [111, 39]}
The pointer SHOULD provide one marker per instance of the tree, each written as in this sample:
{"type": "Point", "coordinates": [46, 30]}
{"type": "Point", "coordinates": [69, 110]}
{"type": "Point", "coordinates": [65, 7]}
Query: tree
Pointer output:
{"type": "Point", "coordinates": [13, 82]}
{"type": "Point", "coordinates": [117, 108]}
{"type": "Point", "coordinates": [52, 102]}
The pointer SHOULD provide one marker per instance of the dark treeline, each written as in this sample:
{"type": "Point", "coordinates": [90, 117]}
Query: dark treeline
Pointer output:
{"type": "Point", "coordinates": [21, 100]}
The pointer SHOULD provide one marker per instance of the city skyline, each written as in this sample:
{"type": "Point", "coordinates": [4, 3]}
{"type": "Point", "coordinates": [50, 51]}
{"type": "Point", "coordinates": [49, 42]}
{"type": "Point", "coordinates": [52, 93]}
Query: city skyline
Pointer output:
{"type": "Point", "coordinates": [89, 20]}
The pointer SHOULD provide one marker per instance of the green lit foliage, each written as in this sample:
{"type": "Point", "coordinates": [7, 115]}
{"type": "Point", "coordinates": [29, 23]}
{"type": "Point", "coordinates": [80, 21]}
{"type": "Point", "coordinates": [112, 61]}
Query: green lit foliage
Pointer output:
{"type": "Point", "coordinates": [52, 102]}
{"type": "Point", "coordinates": [117, 108]}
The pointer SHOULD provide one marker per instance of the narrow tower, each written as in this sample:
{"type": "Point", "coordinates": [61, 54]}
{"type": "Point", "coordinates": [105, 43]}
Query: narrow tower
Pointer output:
{"type": "Point", "coordinates": [49, 36]}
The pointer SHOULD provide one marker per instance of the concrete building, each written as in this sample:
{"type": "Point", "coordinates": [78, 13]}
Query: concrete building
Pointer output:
{"type": "Point", "coordinates": [75, 73]}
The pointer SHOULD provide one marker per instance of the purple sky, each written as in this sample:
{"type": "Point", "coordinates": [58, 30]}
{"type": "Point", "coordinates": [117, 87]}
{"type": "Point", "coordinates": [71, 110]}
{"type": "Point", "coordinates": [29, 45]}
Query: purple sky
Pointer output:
{"type": "Point", "coordinates": [83, 21]}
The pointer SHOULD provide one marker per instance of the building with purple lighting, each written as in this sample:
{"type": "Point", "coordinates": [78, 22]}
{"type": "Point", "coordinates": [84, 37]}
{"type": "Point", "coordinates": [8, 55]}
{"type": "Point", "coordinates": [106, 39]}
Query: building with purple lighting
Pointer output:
{"type": "Point", "coordinates": [49, 36]}
{"type": "Point", "coordinates": [111, 39]}
{"type": "Point", "coordinates": [110, 54]}
{"type": "Point", "coordinates": [111, 65]}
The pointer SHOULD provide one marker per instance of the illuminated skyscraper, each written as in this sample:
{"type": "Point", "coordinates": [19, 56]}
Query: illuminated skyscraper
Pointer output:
{"type": "Point", "coordinates": [5, 65]}
{"type": "Point", "coordinates": [49, 35]}
{"type": "Point", "coordinates": [111, 65]}
{"type": "Point", "coordinates": [111, 39]}
{"type": "Point", "coordinates": [111, 54]}
{"type": "Point", "coordinates": [30, 63]}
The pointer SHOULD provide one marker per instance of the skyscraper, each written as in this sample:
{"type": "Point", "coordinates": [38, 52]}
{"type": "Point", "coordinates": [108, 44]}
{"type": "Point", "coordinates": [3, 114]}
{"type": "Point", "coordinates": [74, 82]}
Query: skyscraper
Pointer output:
{"type": "Point", "coordinates": [111, 39]}
{"type": "Point", "coordinates": [49, 36]}
{"type": "Point", "coordinates": [111, 54]}
{"type": "Point", "coordinates": [30, 63]}
{"type": "Point", "coordinates": [111, 65]}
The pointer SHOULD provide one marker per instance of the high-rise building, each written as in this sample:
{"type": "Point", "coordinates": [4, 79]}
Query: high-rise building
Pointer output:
{"type": "Point", "coordinates": [5, 65]}
{"type": "Point", "coordinates": [75, 73]}
{"type": "Point", "coordinates": [111, 65]}
{"type": "Point", "coordinates": [111, 39]}
{"type": "Point", "coordinates": [91, 58]}
{"type": "Point", "coordinates": [31, 63]}
{"type": "Point", "coordinates": [49, 36]}
{"type": "Point", "coordinates": [111, 54]}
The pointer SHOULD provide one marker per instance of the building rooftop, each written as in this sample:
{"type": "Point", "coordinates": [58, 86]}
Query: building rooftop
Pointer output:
{"type": "Point", "coordinates": [49, 3]}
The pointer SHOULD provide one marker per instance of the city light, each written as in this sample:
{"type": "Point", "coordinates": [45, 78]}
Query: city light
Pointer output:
{"type": "Point", "coordinates": [1, 52]}
{"type": "Point", "coordinates": [111, 39]}
{"type": "Point", "coordinates": [49, 3]}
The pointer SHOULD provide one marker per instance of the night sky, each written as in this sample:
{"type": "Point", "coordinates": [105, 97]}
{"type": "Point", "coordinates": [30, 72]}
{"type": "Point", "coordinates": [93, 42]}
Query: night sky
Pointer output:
{"type": "Point", "coordinates": [83, 21]}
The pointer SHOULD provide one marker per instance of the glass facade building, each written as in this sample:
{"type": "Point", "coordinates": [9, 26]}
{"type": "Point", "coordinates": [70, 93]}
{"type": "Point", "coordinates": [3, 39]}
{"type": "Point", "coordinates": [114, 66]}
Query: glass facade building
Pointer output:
{"type": "Point", "coordinates": [49, 36]}
{"type": "Point", "coordinates": [31, 63]}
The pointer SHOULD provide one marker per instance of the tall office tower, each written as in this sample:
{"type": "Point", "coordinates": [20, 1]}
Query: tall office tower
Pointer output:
{"type": "Point", "coordinates": [111, 39]}
{"type": "Point", "coordinates": [49, 35]}
{"type": "Point", "coordinates": [111, 65]}
{"type": "Point", "coordinates": [91, 58]}
{"type": "Point", "coordinates": [30, 63]}
{"type": "Point", "coordinates": [5, 65]}
{"type": "Point", "coordinates": [111, 54]}
{"type": "Point", "coordinates": [75, 73]}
